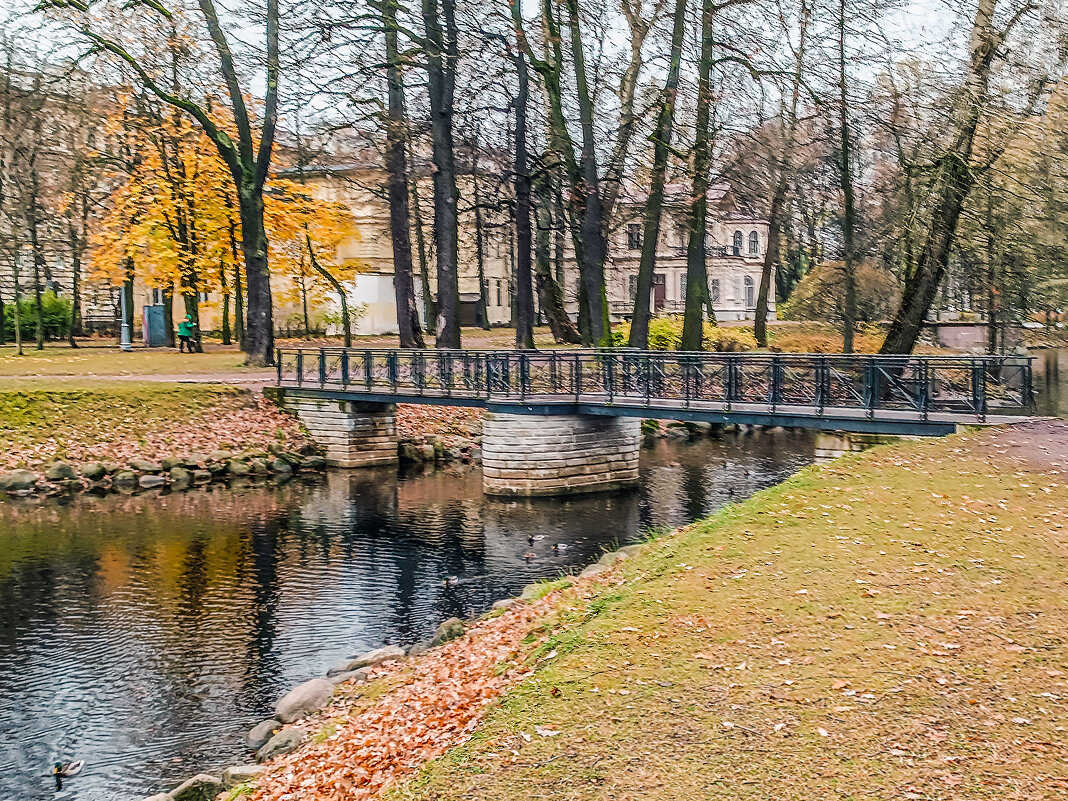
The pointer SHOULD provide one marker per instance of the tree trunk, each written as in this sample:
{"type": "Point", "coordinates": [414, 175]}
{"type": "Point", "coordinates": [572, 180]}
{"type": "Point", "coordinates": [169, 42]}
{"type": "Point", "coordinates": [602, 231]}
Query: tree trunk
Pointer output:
{"type": "Point", "coordinates": [593, 242]}
{"type": "Point", "coordinates": [225, 289]}
{"type": "Point", "coordinates": [168, 313]}
{"type": "Point", "coordinates": [441, 56]}
{"type": "Point", "coordinates": [550, 295]}
{"type": "Point", "coordinates": [258, 342]}
{"type": "Point", "coordinates": [845, 176]}
{"type": "Point", "coordinates": [408, 327]}
{"type": "Point", "coordinates": [480, 254]}
{"type": "Point", "coordinates": [346, 320]}
{"type": "Point", "coordinates": [75, 296]}
{"type": "Point", "coordinates": [696, 268]}
{"type": "Point", "coordinates": [953, 181]}
{"type": "Point", "coordinates": [524, 296]}
{"type": "Point", "coordinates": [239, 304]}
{"type": "Point", "coordinates": [17, 311]}
{"type": "Point", "coordinates": [783, 162]}
{"type": "Point", "coordinates": [128, 291]}
{"type": "Point", "coordinates": [639, 327]}
{"type": "Point", "coordinates": [430, 308]}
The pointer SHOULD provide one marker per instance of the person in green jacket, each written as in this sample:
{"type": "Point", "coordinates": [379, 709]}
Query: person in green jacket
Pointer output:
{"type": "Point", "coordinates": [186, 332]}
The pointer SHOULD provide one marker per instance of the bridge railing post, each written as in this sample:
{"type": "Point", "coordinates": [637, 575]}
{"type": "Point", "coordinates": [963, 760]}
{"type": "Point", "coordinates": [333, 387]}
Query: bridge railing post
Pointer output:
{"type": "Point", "coordinates": [368, 369]}
{"type": "Point", "coordinates": [776, 383]}
{"type": "Point", "coordinates": [278, 363]}
{"type": "Point", "coordinates": [923, 387]}
{"type": "Point", "coordinates": [732, 390]}
{"type": "Point", "coordinates": [578, 376]}
{"type": "Point", "coordinates": [978, 370]}
{"type": "Point", "coordinates": [345, 368]}
{"type": "Point", "coordinates": [322, 367]}
{"type": "Point", "coordinates": [300, 368]}
{"type": "Point", "coordinates": [608, 373]}
{"type": "Point", "coordinates": [871, 386]}
{"type": "Point", "coordinates": [524, 375]}
{"type": "Point", "coordinates": [391, 369]}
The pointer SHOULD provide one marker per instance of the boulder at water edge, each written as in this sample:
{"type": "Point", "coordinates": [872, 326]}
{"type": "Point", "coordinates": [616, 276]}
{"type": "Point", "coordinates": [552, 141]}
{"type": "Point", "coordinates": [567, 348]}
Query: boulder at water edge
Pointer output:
{"type": "Point", "coordinates": [18, 480]}
{"type": "Point", "coordinates": [145, 466]}
{"type": "Point", "coordinates": [301, 701]}
{"type": "Point", "coordinates": [238, 468]}
{"type": "Point", "coordinates": [239, 774]}
{"type": "Point", "coordinates": [261, 733]}
{"type": "Point", "coordinates": [124, 479]}
{"type": "Point", "coordinates": [201, 787]}
{"type": "Point", "coordinates": [151, 481]}
{"type": "Point", "coordinates": [348, 675]}
{"type": "Point", "coordinates": [449, 630]}
{"type": "Point", "coordinates": [94, 471]}
{"type": "Point", "coordinates": [284, 742]}
{"type": "Point", "coordinates": [60, 471]}
{"type": "Point", "coordinates": [384, 654]}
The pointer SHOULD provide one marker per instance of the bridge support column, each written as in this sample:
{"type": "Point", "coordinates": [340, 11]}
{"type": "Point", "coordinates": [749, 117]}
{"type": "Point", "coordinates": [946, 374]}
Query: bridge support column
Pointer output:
{"type": "Point", "coordinates": [537, 454]}
{"type": "Point", "coordinates": [351, 433]}
{"type": "Point", "coordinates": [832, 444]}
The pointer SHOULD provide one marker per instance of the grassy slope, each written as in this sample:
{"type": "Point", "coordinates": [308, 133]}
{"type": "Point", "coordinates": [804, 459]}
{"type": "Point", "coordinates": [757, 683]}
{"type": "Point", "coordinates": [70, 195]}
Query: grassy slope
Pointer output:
{"type": "Point", "coordinates": [891, 625]}
{"type": "Point", "coordinates": [57, 360]}
{"type": "Point", "coordinates": [44, 420]}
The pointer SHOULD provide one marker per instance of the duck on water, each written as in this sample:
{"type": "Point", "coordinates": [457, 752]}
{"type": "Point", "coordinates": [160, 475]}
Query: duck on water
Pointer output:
{"type": "Point", "coordinates": [64, 770]}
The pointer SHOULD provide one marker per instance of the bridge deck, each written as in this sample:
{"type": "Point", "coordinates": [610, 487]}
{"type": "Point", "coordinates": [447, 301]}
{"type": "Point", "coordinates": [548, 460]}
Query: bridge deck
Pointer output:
{"type": "Point", "coordinates": [880, 394]}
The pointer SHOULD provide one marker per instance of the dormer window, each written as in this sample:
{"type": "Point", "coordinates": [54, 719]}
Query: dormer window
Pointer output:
{"type": "Point", "coordinates": [738, 243]}
{"type": "Point", "coordinates": [754, 243]}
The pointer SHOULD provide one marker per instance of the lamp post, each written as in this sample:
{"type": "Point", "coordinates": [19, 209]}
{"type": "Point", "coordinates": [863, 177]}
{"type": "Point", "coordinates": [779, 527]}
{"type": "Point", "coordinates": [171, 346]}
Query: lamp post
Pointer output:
{"type": "Point", "coordinates": [124, 329]}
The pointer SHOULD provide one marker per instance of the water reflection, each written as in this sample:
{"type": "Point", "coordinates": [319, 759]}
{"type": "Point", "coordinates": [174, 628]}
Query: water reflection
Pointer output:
{"type": "Point", "coordinates": [146, 634]}
{"type": "Point", "coordinates": [1051, 381]}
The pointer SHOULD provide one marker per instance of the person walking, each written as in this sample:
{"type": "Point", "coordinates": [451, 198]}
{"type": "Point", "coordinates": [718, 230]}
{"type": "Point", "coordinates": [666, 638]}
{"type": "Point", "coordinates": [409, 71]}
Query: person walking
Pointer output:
{"type": "Point", "coordinates": [186, 332]}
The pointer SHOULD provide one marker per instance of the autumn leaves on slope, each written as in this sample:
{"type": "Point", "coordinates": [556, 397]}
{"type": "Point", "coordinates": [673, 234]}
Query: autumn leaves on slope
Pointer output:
{"type": "Point", "coordinates": [886, 626]}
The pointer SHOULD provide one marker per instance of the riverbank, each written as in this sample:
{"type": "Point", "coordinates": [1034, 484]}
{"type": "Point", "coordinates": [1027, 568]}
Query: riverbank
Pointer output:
{"type": "Point", "coordinates": [887, 625]}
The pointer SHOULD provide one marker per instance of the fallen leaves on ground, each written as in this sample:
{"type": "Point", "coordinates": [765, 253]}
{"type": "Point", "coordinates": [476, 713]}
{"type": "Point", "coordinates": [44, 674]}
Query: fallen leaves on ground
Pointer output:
{"type": "Point", "coordinates": [440, 699]}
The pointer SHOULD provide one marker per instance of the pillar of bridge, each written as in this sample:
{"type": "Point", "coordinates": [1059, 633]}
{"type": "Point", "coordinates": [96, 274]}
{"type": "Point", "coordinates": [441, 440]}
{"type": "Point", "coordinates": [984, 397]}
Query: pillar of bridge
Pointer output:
{"type": "Point", "coordinates": [538, 454]}
{"type": "Point", "coordinates": [832, 444]}
{"type": "Point", "coordinates": [351, 433]}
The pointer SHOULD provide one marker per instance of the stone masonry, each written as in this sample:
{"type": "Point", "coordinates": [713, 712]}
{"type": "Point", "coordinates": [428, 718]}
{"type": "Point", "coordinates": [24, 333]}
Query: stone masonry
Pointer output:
{"type": "Point", "coordinates": [351, 433]}
{"type": "Point", "coordinates": [533, 454]}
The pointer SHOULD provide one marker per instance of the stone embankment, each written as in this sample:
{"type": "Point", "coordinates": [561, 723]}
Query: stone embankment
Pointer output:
{"type": "Point", "coordinates": [174, 473]}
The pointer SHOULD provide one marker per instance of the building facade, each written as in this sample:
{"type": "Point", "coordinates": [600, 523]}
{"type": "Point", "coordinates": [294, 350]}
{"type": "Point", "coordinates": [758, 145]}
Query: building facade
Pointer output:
{"type": "Point", "coordinates": [736, 243]}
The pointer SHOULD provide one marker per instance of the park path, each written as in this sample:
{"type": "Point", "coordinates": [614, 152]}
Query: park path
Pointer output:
{"type": "Point", "coordinates": [251, 379]}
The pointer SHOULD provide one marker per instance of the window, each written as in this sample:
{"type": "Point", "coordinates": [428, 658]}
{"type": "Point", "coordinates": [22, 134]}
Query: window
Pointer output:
{"type": "Point", "coordinates": [714, 291]}
{"type": "Point", "coordinates": [634, 236]}
{"type": "Point", "coordinates": [750, 293]}
{"type": "Point", "coordinates": [737, 243]}
{"type": "Point", "coordinates": [203, 297]}
{"type": "Point", "coordinates": [754, 243]}
{"type": "Point", "coordinates": [157, 297]}
{"type": "Point", "coordinates": [499, 282]}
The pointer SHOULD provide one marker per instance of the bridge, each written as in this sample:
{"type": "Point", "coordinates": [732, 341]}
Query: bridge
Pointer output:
{"type": "Point", "coordinates": [569, 420]}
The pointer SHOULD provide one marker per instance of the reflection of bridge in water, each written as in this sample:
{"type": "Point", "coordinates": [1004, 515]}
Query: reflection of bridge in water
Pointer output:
{"type": "Point", "coordinates": [567, 420]}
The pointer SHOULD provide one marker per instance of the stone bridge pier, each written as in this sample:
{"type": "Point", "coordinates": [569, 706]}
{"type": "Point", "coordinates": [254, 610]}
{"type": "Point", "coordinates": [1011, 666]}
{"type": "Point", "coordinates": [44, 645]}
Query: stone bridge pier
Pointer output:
{"type": "Point", "coordinates": [351, 433]}
{"type": "Point", "coordinates": [558, 454]}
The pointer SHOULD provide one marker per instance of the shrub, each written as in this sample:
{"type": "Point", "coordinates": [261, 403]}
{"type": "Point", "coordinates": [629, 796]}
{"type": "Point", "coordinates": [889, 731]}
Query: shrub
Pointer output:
{"type": "Point", "coordinates": [665, 333]}
{"type": "Point", "coordinates": [819, 295]}
{"type": "Point", "coordinates": [55, 317]}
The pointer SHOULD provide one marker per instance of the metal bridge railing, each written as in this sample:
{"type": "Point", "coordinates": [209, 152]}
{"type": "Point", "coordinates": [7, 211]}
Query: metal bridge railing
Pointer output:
{"type": "Point", "coordinates": [920, 385]}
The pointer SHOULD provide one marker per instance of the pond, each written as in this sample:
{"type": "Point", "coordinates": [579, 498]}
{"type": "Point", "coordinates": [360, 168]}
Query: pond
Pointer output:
{"type": "Point", "coordinates": [145, 634]}
{"type": "Point", "coordinates": [1051, 381]}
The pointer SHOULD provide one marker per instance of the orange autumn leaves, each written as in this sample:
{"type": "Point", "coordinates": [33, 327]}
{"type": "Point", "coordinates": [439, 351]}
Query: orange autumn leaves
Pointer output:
{"type": "Point", "coordinates": [434, 708]}
{"type": "Point", "coordinates": [173, 214]}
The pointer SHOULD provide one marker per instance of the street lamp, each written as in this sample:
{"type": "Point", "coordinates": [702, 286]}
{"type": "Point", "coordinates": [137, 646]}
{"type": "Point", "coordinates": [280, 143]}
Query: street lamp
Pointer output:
{"type": "Point", "coordinates": [124, 329]}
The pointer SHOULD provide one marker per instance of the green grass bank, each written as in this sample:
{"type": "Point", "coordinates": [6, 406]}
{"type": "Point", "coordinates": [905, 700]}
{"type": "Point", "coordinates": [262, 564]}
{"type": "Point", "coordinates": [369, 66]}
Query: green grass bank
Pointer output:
{"type": "Point", "coordinates": [890, 625]}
